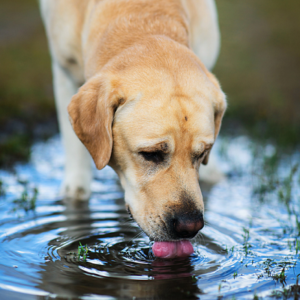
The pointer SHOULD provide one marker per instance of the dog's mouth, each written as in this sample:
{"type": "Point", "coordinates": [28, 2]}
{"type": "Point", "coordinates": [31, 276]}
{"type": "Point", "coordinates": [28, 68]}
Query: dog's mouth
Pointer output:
{"type": "Point", "coordinates": [172, 249]}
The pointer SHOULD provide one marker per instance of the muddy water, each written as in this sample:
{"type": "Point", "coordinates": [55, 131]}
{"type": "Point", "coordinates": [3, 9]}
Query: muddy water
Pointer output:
{"type": "Point", "coordinates": [249, 239]}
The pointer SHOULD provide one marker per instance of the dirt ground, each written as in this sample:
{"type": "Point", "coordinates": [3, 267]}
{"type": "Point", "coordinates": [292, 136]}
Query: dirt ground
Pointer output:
{"type": "Point", "coordinates": [258, 68]}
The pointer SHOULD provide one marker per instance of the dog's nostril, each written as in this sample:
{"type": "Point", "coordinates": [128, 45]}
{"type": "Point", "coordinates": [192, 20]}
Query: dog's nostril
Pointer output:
{"type": "Point", "coordinates": [184, 228]}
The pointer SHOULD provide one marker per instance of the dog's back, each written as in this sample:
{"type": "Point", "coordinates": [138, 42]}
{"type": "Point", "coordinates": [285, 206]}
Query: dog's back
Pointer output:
{"type": "Point", "coordinates": [65, 22]}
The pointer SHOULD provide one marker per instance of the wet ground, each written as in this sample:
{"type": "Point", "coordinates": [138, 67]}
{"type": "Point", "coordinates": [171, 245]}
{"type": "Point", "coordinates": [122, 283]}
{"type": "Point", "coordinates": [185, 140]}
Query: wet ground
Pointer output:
{"type": "Point", "coordinates": [249, 247]}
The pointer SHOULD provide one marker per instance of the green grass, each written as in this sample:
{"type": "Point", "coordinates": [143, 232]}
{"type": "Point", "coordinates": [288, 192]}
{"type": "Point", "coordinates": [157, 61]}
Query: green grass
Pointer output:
{"type": "Point", "coordinates": [273, 185]}
{"type": "Point", "coordinates": [275, 182]}
{"type": "Point", "coordinates": [15, 147]}
{"type": "Point", "coordinates": [2, 190]}
{"type": "Point", "coordinates": [291, 292]}
{"type": "Point", "coordinates": [280, 277]}
{"type": "Point", "coordinates": [27, 201]}
{"type": "Point", "coordinates": [297, 247]}
{"type": "Point", "coordinates": [255, 297]}
{"type": "Point", "coordinates": [82, 252]}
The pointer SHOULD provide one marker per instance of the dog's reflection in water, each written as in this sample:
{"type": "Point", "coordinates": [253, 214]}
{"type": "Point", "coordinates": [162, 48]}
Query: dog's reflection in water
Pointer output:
{"type": "Point", "coordinates": [167, 269]}
{"type": "Point", "coordinates": [67, 278]}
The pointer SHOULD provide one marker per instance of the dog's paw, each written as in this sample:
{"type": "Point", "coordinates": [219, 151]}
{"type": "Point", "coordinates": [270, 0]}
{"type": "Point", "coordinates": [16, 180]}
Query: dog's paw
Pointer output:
{"type": "Point", "coordinates": [75, 193]}
{"type": "Point", "coordinates": [76, 187]}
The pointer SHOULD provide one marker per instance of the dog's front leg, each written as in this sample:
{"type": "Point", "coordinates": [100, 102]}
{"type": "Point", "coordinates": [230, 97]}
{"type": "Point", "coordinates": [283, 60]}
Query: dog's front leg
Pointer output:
{"type": "Point", "coordinates": [78, 168]}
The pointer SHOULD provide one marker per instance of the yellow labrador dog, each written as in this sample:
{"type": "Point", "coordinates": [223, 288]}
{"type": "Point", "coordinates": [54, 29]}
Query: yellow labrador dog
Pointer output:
{"type": "Point", "coordinates": [140, 100]}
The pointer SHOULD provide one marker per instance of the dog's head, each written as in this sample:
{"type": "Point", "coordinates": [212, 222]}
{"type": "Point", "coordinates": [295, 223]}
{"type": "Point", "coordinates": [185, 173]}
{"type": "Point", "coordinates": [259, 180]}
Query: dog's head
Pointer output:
{"type": "Point", "coordinates": [154, 119]}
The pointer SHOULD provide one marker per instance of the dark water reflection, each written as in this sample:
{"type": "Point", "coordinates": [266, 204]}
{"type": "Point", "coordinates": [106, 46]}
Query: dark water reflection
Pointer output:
{"type": "Point", "coordinates": [117, 264]}
{"type": "Point", "coordinates": [39, 248]}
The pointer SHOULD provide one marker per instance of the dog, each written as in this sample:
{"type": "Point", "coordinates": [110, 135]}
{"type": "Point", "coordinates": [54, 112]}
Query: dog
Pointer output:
{"type": "Point", "coordinates": [134, 77]}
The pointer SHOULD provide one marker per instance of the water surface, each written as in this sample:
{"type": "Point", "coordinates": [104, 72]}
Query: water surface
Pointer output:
{"type": "Point", "coordinates": [249, 239]}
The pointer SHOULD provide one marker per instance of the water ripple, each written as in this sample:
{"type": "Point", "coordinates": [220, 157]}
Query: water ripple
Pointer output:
{"type": "Point", "coordinates": [39, 249]}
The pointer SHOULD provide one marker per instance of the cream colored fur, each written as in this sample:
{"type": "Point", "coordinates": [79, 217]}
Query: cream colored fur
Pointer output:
{"type": "Point", "coordinates": [133, 59]}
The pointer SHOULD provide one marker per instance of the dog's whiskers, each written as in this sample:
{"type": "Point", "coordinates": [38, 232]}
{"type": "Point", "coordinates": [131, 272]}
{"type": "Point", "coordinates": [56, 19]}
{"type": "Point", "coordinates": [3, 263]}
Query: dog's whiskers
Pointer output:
{"type": "Point", "coordinates": [137, 236]}
{"type": "Point", "coordinates": [200, 237]}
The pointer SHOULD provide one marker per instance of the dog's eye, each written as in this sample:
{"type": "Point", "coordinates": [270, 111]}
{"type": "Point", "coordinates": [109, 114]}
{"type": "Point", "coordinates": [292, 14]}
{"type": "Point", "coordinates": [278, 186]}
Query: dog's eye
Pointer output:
{"type": "Point", "coordinates": [155, 156]}
{"type": "Point", "coordinates": [202, 155]}
{"type": "Point", "coordinates": [199, 156]}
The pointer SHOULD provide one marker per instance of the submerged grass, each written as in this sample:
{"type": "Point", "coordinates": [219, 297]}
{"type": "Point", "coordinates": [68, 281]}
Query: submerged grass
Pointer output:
{"type": "Point", "coordinates": [27, 200]}
{"type": "Point", "coordinates": [246, 244]}
{"type": "Point", "coordinates": [274, 183]}
{"type": "Point", "coordinates": [273, 187]}
{"type": "Point", "coordinates": [281, 276]}
{"type": "Point", "coordinates": [292, 292]}
{"type": "Point", "coordinates": [255, 297]}
{"type": "Point", "coordinates": [82, 252]}
{"type": "Point", "coordinates": [2, 190]}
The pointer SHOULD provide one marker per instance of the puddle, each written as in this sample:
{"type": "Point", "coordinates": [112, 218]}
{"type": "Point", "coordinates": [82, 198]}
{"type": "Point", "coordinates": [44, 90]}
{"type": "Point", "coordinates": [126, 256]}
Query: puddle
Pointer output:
{"type": "Point", "coordinates": [248, 246]}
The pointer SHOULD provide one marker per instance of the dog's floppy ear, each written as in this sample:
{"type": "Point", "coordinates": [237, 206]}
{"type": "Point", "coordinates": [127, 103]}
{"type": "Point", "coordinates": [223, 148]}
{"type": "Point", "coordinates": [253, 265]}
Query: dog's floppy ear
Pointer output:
{"type": "Point", "coordinates": [219, 103]}
{"type": "Point", "coordinates": [218, 121]}
{"type": "Point", "coordinates": [91, 113]}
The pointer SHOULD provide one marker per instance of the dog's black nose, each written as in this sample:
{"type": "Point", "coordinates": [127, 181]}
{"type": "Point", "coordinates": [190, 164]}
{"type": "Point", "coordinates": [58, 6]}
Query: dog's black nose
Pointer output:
{"type": "Point", "coordinates": [187, 227]}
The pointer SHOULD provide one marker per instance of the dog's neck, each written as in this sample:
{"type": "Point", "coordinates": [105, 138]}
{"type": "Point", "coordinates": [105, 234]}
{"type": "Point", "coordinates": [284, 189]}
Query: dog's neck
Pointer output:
{"type": "Point", "coordinates": [128, 30]}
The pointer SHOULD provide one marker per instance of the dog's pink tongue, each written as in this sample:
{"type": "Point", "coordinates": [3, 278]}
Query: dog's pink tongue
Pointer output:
{"type": "Point", "coordinates": [172, 249]}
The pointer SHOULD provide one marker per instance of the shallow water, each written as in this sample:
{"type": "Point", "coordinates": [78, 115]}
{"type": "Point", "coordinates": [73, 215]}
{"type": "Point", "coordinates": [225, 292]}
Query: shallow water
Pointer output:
{"type": "Point", "coordinates": [248, 237]}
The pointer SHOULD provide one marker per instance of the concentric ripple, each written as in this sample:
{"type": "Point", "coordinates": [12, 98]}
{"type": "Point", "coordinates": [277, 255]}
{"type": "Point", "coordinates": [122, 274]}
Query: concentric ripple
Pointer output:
{"type": "Point", "coordinates": [40, 252]}
{"type": "Point", "coordinates": [39, 248]}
